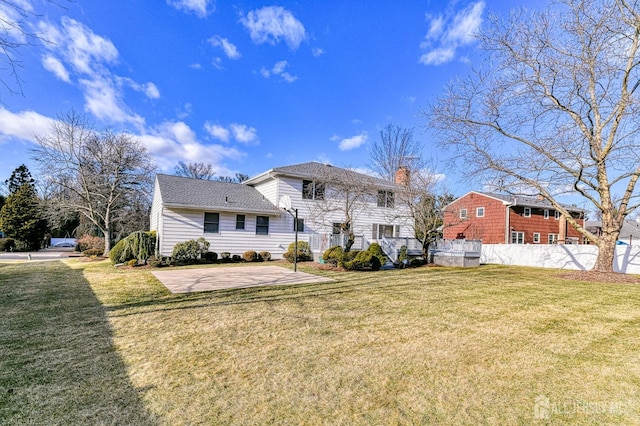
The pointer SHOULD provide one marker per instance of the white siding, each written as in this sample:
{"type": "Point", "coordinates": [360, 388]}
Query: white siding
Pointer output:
{"type": "Point", "coordinates": [269, 189]}
{"type": "Point", "coordinates": [183, 224]}
{"type": "Point", "coordinates": [319, 219]}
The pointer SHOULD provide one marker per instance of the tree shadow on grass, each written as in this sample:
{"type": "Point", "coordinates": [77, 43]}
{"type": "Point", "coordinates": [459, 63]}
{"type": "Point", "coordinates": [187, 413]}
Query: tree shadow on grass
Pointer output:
{"type": "Point", "coordinates": [58, 363]}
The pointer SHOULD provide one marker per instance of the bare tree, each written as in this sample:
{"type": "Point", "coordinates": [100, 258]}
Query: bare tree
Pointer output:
{"type": "Point", "coordinates": [195, 170]}
{"type": "Point", "coordinates": [98, 174]}
{"type": "Point", "coordinates": [395, 149]}
{"type": "Point", "coordinates": [555, 110]}
{"type": "Point", "coordinates": [15, 34]}
{"type": "Point", "coordinates": [340, 196]}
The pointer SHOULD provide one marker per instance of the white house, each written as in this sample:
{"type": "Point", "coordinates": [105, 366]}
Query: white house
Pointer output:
{"type": "Point", "coordinates": [237, 217]}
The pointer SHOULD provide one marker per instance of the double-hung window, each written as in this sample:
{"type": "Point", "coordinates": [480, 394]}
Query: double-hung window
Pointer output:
{"type": "Point", "coordinates": [240, 220]}
{"type": "Point", "coordinates": [312, 190]}
{"type": "Point", "coordinates": [536, 237]}
{"type": "Point", "coordinates": [463, 213]}
{"type": "Point", "coordinates": [211, 223]}
{"type": "Point", "coordinates": [527, 212]}
{"type": "Point", "coordinates": [262, 225]}
{"type": "Point", "coordinates": [479, 211]}
{"type": "Point", "coordinates": [385, 199]}
{"type": "Point", "coordinates": [517, 237]}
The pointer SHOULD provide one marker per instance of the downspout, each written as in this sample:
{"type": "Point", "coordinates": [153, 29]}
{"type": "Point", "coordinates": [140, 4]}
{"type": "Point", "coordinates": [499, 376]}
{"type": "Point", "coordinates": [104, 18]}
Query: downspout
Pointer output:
{"type": "Point", "coordinates": [508, 225]}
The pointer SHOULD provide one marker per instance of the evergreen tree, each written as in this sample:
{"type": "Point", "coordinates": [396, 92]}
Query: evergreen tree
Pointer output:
{"type": "Point", "coordinates": [19, 177]}
{"type": "Point", "coordinates": [20, 217]}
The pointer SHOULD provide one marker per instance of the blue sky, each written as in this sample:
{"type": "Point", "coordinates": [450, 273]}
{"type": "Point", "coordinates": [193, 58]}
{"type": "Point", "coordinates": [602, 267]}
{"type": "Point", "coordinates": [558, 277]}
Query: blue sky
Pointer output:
{"type": "Point", "coordinates": [244, 85]}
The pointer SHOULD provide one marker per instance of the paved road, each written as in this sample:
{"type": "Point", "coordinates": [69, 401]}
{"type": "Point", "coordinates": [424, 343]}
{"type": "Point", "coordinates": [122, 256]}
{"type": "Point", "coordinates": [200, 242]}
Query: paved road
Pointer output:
{"type": "Point", "coordinates": [46, 254]}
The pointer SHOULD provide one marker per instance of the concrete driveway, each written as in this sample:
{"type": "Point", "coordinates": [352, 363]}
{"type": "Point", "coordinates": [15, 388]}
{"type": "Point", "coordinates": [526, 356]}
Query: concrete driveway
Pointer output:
{"type": "Point", "coordinates": [46, 254]}
{"type": "Point", "coordinates": [207, 279]}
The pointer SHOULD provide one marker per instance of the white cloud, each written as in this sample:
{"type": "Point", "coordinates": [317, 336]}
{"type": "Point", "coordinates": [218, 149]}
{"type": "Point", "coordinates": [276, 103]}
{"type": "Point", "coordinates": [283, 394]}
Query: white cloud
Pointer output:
{"type": "Point", "coordinates": [217, 131]}
{"type": "Point", "coordinates": [353, 142]}
{"type": "Point", "coordinates": [271, 24]}
{"type": "Point", "coordinates": [11, 21]}
{"type": "Point", "coordinates": [201, 8]}
{"type": "Point", "coordinates": [75, 51]}
{"type": "Point", "coordinates": [334, 138]}
{"type": "Point", "coordinates": [227, 47]}
{"type": "Point", "coordinates": [239, 132]}
{"type": "Point", "coordinates": [56, 67]}
{"type": "Point", "coordinates": [279, 70]}
{"type": "Point", "coordinates": [317, 51]}
{"type": "Point", "coordinates": [25, 125]}
{"type": "Point", "coordinates": [450, 32]}
{"type": "Point", "coordinates": [243, 133]}
{"type": "Point", "coordinates": [172, 142]}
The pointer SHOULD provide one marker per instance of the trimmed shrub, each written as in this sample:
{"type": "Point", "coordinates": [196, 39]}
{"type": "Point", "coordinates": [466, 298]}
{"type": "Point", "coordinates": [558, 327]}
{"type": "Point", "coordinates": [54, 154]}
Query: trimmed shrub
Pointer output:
{"type": "Point", "coordinates": [403, 254]}
{"type": "Point", "coordinates": [363, 260]}
{"type": "Point", "coordinates": [211, 256]}
{"type": "Point", "coordinates": [93, 252]}
{"type": "Point", "coordinates": [236, 258]}
{"type": "Point", "coordinates": [7, 244]}
{"type": "Point", "coordinates": [133, 262]}
{"type": "Point", "coordinates": [376, 250]}
{"type": "Point", "coordinates": [304, 252]}
{"type": "Point", "coordinates": [138, 245]}
{"type": "Point", "coordinates": [186, 252]}
{"type": "Point", "coordinates": [204, 245]}
{"type": "Point", "coordinates": [87, 242]}
{"type": "Point", "coordinates": [250, 256]}
{"type": "Point", "coordinates": [225, 256]}
{"type": "Point", "coordinates": [265, 256]}
{"type": "Point", "coordinates": [333, 255]}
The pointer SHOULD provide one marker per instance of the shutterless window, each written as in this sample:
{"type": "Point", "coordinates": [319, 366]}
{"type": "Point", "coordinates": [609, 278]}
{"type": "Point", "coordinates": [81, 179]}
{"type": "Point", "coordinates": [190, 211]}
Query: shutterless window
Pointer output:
{"type": "Point", "coordinates": [556, 215]}
{"type": "Point", "coordinates": [211, 223]}
{"type": "Point", "coordinates": [546, 213]}
{"type": "Point", "coordinates": [527, 212]}
{"type": "Point", "coordinates": [262, 225]}
{"type": "Point", "coordinates": [480, 212]}
{"type": "Point", "coordinates": [312, 190]}
{"type": "Point", "coordinates": [536, 237]}
{"type": "Point", "coordinates": [240, 220]}
{"type": "Point", "coordinates": [553, 238]}
{"type": "Point", "coordinates": [385, 199]}
{"type": "Point", "coordinates": [517, 237]}
{"type": "Point", "coordinates": [463, 213]}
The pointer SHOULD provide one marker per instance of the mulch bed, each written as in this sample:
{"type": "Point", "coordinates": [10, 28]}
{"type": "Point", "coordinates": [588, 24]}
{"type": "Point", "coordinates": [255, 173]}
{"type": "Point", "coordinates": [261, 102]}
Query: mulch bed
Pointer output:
{"type": "Point", "coordinates": [600, 277]}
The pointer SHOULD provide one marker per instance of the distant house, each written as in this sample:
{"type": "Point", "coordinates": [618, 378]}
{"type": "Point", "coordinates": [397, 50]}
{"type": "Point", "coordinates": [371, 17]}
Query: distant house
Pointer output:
{"type": "Point", "coordinates": [507, 219]}
{"type": "Point", "coordinates": [629, 234]}
{"type": "Point", "coordinates": [237, 217]}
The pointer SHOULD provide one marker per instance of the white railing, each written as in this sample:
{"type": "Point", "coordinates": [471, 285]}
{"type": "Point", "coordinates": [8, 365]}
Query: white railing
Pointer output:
{"type": "Point", "coordinates": [389, 248]}
{"type": "Point", "coordinates": [321, 242]}
{"type": "Point", "coordinates": [462, 247]}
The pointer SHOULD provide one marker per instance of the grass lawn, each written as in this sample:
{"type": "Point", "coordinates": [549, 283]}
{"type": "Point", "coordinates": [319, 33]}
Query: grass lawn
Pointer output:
{"type": "Point", "coordinates": [85, 343]}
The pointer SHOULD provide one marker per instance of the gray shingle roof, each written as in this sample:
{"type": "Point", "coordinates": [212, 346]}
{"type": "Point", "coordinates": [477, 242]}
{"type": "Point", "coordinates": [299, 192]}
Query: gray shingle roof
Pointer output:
{"type": "Point", "coordinates": [529, 201]}
{"type": "Point", "coordinates": [326, 172]}
{"type": "Point", "coordinates": [208, 194]}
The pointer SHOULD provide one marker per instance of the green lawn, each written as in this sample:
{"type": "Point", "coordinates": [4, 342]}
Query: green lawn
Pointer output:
{"type": "Point", "coordinates": [85, 343]}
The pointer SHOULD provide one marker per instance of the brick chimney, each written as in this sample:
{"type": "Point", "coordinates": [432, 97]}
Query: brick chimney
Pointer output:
{"type": "Point", "coordinates": [402, 175]}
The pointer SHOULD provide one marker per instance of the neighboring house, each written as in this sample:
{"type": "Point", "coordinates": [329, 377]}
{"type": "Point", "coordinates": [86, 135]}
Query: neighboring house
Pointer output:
{"type": "Point", "coordinates": [249, 216]}
{"type": "Point", "coordinates": [507, 219]}
{"type": "Point", "coordinates": [629, 234]}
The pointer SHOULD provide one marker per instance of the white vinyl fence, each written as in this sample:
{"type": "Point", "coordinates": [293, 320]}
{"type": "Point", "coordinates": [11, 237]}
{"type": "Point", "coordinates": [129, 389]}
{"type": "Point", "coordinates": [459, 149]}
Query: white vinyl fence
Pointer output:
{"type": "Point", "coordinates": [559, 256]}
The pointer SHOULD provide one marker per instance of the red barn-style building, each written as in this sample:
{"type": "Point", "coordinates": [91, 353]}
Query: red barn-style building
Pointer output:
{"type": "Point", "coordinates": [508, 219]}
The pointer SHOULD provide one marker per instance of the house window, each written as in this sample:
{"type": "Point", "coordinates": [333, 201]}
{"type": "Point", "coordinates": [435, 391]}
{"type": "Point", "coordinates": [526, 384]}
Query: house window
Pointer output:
{"type": "Point", "coordinates": [527, 212]}
{"type": "Point", "coordinates": [556, 215]}
{"type": "Point", "coordinates": [298, 224]}
{"type": "Point", "coordinates": [536, 237]}
{"type": "Point", "coordinates": [480, 212]}
{"type": "Point", "coordinates": [384, 231]}
{"type": "Point", "coordinates": [517, 237]}
{"type": "Point", "coordinates": [463, 213]}
{"type": "Point", "coordinates": [338, 227]}
{"type": "Point", "coordinates": [312, 190]}
{"type": "Point", "coordinates": [553, 238]}
{"type": "Point", "coordinates": [546, 213]}
{"type": "Point", "coordinates": [211, 223]}
{"type": "Point", "coordinates": [262, 225]}
{"type": "Point", "coordinates": [240, 219]}
{"type": "Point", "coordinates": [385, 199]}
